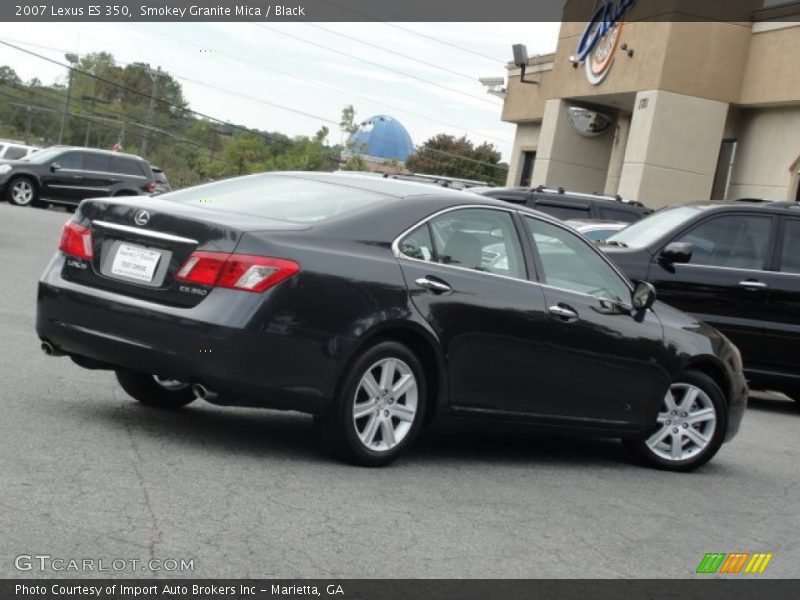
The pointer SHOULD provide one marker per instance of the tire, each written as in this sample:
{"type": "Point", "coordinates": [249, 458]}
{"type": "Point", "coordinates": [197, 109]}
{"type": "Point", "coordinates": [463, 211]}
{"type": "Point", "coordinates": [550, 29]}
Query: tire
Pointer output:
{"type": "Point", "coordinates": [389, 423]}
{"type": "Point", "coordinates": [155, 391]}
{"type": "Point", "coordinates": [679, 441]}
{"type": "Point", "coordinates": [22, 191]}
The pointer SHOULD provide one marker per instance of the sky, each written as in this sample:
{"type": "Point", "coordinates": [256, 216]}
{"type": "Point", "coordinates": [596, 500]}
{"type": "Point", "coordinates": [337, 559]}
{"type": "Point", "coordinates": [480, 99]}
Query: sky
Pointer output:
{"type": "Point", "coordinates": [272, 76]}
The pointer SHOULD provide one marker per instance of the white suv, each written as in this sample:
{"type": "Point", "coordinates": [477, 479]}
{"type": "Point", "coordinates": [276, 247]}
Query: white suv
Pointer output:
{"type": "Point", "coordinates": [15, 150]}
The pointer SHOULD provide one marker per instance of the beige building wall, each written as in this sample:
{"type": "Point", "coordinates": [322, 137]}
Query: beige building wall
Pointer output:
{"type": "Point", "coordinates": [768, 154]}
{"type": "Point", "coordinates": [525, 140]}
{"type": "Point", "coordinates": [566, 158]}
{"type": "Point", "coordinates": [672, 149]}
{"type": "Point", "coordinates": [618, 148]}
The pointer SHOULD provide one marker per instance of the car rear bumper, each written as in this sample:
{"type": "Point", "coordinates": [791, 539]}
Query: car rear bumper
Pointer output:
{"type": "Point", "coordinates": [226, 342]}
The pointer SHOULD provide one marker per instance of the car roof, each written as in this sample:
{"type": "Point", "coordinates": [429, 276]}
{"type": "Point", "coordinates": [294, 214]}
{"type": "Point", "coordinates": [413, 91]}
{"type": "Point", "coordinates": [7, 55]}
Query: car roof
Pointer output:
{"type": "Point", "coordinates": [97, 151]}
{"type": "Point", "coordinates": [757, 204]}
{"type": "Point", "coordinates": [560, 192]}
{"type": "Point", "coordinates": [392, 187]}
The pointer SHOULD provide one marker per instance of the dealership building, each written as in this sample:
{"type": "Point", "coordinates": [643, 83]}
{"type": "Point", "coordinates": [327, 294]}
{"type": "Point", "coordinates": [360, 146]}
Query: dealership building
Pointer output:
{"type": "Point", "coordinates": [658, 102]}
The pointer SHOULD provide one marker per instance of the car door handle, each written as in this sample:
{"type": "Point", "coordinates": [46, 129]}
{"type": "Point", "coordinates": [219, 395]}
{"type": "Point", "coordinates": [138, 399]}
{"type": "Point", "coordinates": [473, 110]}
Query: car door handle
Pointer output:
{"type": "Point", "coordinates": [751, 284]}
{"type": "Point", "coordinates": [563, 312]}
{"type": "Point", "coordinates": [437, 287]}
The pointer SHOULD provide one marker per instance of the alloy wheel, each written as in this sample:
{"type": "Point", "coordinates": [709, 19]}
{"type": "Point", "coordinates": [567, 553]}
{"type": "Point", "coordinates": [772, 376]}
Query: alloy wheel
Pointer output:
{"type": "Point", "coordinates": [688, 420]}
{"type": "Point", "coordinates": [22, 192]}
{"type": "Point", "coordinates": [385, 404]}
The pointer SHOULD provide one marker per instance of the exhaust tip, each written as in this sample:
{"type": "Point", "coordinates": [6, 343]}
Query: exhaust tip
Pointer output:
{"type": "Point", "coordinates": [50, 350]}
{"type": "Point", "coordinates": [201, 392]}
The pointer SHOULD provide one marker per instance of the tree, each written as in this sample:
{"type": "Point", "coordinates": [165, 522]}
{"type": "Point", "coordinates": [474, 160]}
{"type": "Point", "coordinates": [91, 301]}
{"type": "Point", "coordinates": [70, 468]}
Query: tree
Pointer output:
{"type": "Point", "coordinates": [348, 122]}
{"type": "Point", "coordinates": [445, 154]}
{"type": "Point", "coordinates": [8, 76]}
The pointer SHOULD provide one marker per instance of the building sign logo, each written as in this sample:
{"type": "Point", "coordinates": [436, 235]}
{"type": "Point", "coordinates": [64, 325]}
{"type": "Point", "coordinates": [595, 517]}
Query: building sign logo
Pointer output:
{"type": "Point", "coordinates": [598, 44]}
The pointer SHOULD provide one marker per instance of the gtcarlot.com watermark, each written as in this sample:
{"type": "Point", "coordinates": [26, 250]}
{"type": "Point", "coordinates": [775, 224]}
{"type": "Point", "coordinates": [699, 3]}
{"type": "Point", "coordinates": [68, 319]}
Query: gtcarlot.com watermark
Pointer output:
{"type": "Point", "coordinates": [57, 564]}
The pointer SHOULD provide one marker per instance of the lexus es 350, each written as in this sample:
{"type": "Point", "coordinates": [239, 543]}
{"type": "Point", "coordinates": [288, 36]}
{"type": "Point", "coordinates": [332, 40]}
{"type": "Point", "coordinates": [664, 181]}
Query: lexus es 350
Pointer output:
{"type": "Point", "coordinates": [375, 305]}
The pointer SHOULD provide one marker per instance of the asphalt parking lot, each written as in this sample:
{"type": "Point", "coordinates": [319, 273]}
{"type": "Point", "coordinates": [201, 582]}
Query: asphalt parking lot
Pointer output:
{"type": "Point", "coordinates": [86, 472]}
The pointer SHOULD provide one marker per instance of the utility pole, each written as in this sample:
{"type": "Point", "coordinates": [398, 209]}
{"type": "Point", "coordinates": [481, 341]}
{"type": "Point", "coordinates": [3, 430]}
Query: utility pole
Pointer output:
{"type": "Point", "coordinates": [154, 75]}
{"type": "Point", "coordinates": [29, 110]}
{"type": "Point", "coordinates": [72, 59]}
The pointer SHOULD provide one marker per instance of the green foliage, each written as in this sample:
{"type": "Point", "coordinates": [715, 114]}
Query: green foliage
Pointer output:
{"type": "Point", "coordinates": [445, 154]}
{"type": "Point", "coordinates": [109, 102]}
{"type": "Point", "coordinates": [354, 163]}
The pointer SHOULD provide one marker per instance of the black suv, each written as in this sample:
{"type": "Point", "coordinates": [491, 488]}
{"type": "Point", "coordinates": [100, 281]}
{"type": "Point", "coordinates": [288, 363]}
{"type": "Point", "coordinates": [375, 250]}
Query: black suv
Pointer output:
{"type": "Point", "coordinates": [734, 265]}
{"type": "Point", "coordinates": [67, 175]}
{"type": "Point", "coordinates": [564, 205]}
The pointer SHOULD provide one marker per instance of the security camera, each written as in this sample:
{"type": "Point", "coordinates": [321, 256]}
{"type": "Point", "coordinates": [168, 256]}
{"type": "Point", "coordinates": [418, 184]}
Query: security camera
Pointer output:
{"type": "Point", "coordinates": [492, 81]}
{"type": "Point", "coordinates": [520, 54]}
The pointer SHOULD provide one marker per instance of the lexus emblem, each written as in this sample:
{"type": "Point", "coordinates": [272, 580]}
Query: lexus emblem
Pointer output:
{"type": "Point", "coordinates": [141, 217]}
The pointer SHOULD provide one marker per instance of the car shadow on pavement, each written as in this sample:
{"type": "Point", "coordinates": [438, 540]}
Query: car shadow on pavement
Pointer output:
{"type": "Point", "coordinates": [293, 436]}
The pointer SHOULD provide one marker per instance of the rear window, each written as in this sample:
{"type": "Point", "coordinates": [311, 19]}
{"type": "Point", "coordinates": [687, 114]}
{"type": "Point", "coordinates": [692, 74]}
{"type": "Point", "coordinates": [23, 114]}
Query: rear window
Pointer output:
{"type": "Point", "coordinates": [619, 214]}
{"type": "Point", "coordinates": [128, 166]}
{"type": "Point", "coordinates": [96, 162]}
{"type": "Point", "coordinates": [280, 197]}
{"type": "Point", "coordinates": [15, 152]}
{"type": "Point", "coordinates": [560, 211]}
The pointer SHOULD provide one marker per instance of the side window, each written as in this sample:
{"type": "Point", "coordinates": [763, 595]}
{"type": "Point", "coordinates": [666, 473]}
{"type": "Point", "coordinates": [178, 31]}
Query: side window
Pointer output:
{"type": "Point", "coordinates": [790, 253]}
{"type": "Point", "coordinates": [418, 244]}
{"type": "Point", "coordinates": [127, 166]}
{"type": "Point", "coordinates": [618, 214]}
{"type": "Point", "coordinates": [733, 241]}
{"type": "Point", "coordinates": [70, 160]}
{"type": "Point", "coordinates": [97, 162]}
{"type": "Point", "coordinates": [15, 152]}
{"type": "Point", "coordinates": [479, 239]}
{"type": "Point", "coordinates": [570, 263]}
{"type": "Point", "coordinates": [563, 212]}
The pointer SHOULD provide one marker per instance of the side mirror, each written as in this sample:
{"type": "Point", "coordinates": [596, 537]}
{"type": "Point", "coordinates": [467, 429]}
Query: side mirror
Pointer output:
{"type": "Point", "coordinates": [676, 253]}
{"type": "Point", "coordinates": [644, 296]}
{"type": "Point", "coordinates": [55, 167]}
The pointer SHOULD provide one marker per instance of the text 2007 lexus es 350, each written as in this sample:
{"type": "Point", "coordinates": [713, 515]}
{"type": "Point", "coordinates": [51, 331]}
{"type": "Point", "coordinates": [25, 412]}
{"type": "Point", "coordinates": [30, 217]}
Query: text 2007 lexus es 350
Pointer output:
{"type": "Point", "coordinates": [375, 305]}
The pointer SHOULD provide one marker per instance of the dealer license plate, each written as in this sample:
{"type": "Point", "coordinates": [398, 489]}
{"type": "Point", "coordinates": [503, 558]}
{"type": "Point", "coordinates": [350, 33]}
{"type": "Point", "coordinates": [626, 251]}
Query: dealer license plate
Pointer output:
{"type": "Point", "coordinates": [135, 262]}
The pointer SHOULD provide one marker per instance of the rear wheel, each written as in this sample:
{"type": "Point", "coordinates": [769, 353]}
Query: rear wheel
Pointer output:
{"type": "Point", "coordinates": [380, 406]}
{"type": "Point", "coordinates": [22, 192]}
{"type": "Point", "coordinates": [690, 426]}
{"type": "Point", "coordinates": [154, 390]}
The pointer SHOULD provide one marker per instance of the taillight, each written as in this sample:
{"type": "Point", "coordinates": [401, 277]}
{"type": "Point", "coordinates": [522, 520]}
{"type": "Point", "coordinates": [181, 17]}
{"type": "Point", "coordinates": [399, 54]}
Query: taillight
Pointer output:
{"type": "Point", "coordinates": [236, 271]}
{"type": "Point", "coordinates": [76, 240]}
{"type": "Point", "coordinates": [150, 187]}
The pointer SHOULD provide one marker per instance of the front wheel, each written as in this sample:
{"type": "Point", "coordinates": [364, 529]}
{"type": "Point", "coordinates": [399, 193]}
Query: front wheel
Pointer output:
{"type": "Point", "coordinates": [380, 406]}
{"type": "Point", "coordinates": [156, 391]}
{"type": "Point", "coordinates": [690, 426]}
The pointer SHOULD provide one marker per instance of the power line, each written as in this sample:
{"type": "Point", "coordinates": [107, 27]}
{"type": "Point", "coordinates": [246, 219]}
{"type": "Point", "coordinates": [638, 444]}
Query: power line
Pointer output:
{"type": "Point", "coordinates": [417, 33]}
{"type": "Point", "coordinates": [174, 105]}
{"type": "Point", "coordinates": [384, 49]}
{"type": "Point", "coordinates": [322, 84]}
{"type": "Point", "coordinates": [378, 65]}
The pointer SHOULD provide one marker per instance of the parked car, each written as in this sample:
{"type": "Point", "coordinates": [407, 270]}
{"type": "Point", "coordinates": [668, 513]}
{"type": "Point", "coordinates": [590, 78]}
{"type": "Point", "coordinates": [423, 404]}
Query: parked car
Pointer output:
{"type": "Point", "coordinates": [598, 230]}
{"type": "Point", "coordinates": [67, 175]}
{"type": "Point", "coordinates": [375, 304]}
{"type": "Point", "coordinates": [162, 183]}
{"type": "Point", "coordinates": [734, 265]}
{"type": "Point", "coordinates": [565, 205]}
{"type": "Point", "coordinates": [10, 150]}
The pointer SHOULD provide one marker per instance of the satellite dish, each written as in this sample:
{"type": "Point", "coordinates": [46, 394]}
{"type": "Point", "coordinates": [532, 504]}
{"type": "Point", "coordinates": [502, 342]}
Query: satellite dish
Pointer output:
{"type": "Point", "coordinates": [589, 123]}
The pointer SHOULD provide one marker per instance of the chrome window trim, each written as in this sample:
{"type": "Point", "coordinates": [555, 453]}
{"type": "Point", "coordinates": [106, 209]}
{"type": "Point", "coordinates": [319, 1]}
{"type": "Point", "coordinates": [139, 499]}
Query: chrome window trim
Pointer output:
{"type": "Point", "coordinates": [146, 232]}
{"type": "Point", "coordinates": [400, 256]}
{"type": "Point", "coordinates": [737, 269]}
{"type": "Point", "coordinates": [102, 173]}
